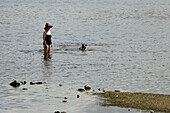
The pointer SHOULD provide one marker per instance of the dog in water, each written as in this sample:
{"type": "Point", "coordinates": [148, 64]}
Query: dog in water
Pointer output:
{"type": "Point", "coordinates": [83, 47]}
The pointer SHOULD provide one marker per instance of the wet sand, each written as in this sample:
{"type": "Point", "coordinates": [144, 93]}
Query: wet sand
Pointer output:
{"type": "Point", "coordinates": [143, 101]}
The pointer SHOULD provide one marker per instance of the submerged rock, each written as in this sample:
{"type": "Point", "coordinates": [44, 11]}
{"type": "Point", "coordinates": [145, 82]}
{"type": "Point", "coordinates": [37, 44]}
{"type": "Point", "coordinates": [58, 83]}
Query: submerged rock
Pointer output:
{"type": "Point", "coordinates": [24, 89]}
{"type": "Point", "coordinates": [56, 112]}
{"type": "Point", "coordinates": [33, 83]}
{"type": "Point", "coordinates": [78, 96]}
{"type": "Point", "coordinates": [40, 82]}
{"type": "Point", "coordinates": [15, 83]}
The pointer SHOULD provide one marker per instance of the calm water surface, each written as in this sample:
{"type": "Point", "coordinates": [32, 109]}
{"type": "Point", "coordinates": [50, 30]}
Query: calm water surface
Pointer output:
{"type": "Point", "coordinates": [128, 49]}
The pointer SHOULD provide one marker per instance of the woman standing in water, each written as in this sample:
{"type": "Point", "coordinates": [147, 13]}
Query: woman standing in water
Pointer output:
{"type": "Point", "coordinates": [47, 39]}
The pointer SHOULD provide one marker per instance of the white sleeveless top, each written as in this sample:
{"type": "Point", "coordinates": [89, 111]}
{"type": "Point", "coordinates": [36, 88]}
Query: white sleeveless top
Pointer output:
{"type": "Point", "coordinates": [49, 32]}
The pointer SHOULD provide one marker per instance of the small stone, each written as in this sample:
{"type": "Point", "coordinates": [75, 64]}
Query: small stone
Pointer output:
{"type": "Point", "coordinates": [87, 87]}
{"type": "Point", "coordinates": [24, 89]}
{"type": "Point", "coordinates": [81, 89]}
{"type": "Point", "coordinates": [65, 97]}
{"type": "Point", "coordinates": [64, 101]}
{"type": "Point", "coordinates": [78, 96]}
{"type": "Point", "coordinates": [104, 90]}
{"type": "Point", "coordinates": [60, 85]}
{"type": "Point", "coordinates": [93, 90]}
{"type": "Point", "coordinates": [21, 82]}
{"type": "Point", "coordinates": [63, 112]}
{"type": "Point", "coordinates": [25, 82]}
{"type": "Point", "coordinates": [128, 109]}
{"type": "Point", "coordinates": [40, 82]}
{"type": "Point", "coordinates": [99, 89]}
{"type": "Point", "coordinates": [32, 83]}
{"type": "Point", "coordinates": [57, 112]}
{"type": "Point", "coordinates": [117, 90]}
{"type": "Point", "coordinates": [151, 111]}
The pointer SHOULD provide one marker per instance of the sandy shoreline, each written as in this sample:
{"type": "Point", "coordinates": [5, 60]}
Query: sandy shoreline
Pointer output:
{"type": "Point", "coordinates": [143, 101]}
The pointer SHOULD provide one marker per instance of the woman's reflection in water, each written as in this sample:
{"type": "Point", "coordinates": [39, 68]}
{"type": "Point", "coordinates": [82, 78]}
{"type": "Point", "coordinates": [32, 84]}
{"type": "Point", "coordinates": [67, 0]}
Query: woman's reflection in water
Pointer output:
{"type": "Point", "coordinates": [47, 57]}
{"type": "Point", "coordinates": [47, 69]}
{"type": "Point", "coordinates": [47, 61]}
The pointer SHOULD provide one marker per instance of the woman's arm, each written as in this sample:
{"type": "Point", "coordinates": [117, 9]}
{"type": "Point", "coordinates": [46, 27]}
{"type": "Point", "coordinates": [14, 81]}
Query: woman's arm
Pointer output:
{"type": "Point", "coordinates": [44, 36]}
{"type": "Point", "coordinates": [51, 42]}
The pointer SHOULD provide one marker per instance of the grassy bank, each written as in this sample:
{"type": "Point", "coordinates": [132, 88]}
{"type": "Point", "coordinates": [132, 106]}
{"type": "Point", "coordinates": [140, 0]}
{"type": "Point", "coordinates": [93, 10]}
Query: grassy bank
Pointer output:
{"type": "Point", "coordinates": [143, 101]}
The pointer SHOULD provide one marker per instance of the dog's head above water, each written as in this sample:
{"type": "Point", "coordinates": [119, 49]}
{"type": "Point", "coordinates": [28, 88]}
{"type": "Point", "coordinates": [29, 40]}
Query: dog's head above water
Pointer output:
{"type": "Point", "coordinates": [83, 47]}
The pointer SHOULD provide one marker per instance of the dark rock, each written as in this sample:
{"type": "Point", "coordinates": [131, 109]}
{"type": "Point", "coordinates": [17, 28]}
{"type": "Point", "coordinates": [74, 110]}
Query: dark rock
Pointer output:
{"type": "Point", "coordinates": [57, 112]}
{"type": "Point", "coordinates": [128, 109]}
{"type": "Point", "coordinates": [87, 87]}
{"type": "Point", "coordinates": [15, 83]}
{"type": "Point", "coordinates": [24, 89]}
{"type": "Point", "coordinates": [81, 89]}
{"type": "Point", "coordinates": [22, 82]}
{"type": "Point", "coordinates": [63, 112]}
{"type": "Point", "coordinates": [25, 82]}
{"type": "Point", "coordinates": [99, 89]}
{"type": "Point", "coordinates": [32, 83]}
{"type": "Point", "coordinates": [78, 96]}
{"type": "Point", "coordinates": [40, 82]}
{"type": "Point", "coordinates": [65, 97]}
{"type": "Point", "coordinates": [104, 90]}
{"type": "Point", "coordinates": [117, 90]}
{"type": "Point", "coordinates": [60, 85]}
{"type": "Point", "coordinates": [151, 111]}
{"type": "Point", "coordinates": [64, 101]}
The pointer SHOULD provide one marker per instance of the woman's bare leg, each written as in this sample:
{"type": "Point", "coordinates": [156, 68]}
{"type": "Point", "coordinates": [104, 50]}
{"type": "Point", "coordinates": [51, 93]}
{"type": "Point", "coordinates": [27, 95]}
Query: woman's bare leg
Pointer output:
{"type": "Point", "coordinates": [45, 50]}
{"type": "Point", "coordinates": [48, 49]}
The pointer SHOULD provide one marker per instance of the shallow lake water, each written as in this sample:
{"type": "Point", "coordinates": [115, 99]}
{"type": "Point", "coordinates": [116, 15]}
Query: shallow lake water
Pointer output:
{"type": "Point", "coordinates": [128, 48]}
